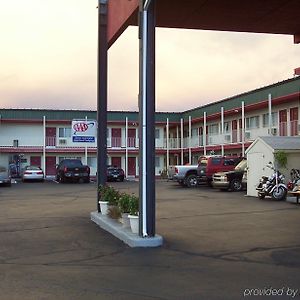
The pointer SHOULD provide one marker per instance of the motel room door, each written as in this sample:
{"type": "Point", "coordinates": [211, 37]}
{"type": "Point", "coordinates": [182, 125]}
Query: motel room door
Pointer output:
{"type": "Point", "coordinates": [234, 130]}
{"type": "Point", "coordinates": [35, 161]}
{"type": "Point", "coordinates": [116, 137]}
{"type": "Point", "coordinates": [51, 136]}
{"type": "Point", "coordinates": [283, 122]}
{"type": "Point", "coordinates": [116, 161]}
{"type": "Point", "coordinates": [131, 138]}
{"type": "Point", "coordinates": [132, 166]}
{"type": "Point", "coordinates": [294, 121]}
{"type": "Point", "coordinates": [50, 165]}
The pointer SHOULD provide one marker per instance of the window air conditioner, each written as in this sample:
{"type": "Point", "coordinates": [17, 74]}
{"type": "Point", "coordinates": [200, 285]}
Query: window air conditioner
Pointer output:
{"type": "Point", "coordinates": [274, 131]}
{"type": "Point", "coordinates": [15, 143]}
{"type": "Point", "coordinates": [62, 142]}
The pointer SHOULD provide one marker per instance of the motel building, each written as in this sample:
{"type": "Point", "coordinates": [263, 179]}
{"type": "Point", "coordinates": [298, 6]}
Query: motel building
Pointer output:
{"type": "Point", "coordinates": [44, 137]}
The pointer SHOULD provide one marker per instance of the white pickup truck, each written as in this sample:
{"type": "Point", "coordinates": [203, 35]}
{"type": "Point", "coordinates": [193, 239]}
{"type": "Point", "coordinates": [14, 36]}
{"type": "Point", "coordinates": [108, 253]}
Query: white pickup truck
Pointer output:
{"type": "Point", "coordinates": [185, 175]}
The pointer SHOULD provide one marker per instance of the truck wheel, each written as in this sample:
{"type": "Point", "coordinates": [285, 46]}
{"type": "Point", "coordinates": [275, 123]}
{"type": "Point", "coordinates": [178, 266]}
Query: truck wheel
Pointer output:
{"type": "Point", "coordinates": [236, 185]}
{"type": "Point", "coordinates": [191, 181]}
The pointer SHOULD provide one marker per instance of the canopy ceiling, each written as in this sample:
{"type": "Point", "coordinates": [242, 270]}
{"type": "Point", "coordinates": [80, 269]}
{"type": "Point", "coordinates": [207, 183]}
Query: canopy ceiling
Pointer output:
{"type": "Point", "coordinates": [261, 16]}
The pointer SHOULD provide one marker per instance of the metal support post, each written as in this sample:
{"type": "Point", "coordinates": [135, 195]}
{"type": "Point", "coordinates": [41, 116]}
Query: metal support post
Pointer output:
{"type": "Point", "coordinates": [102, 96]}
{"type": "Point", "coordinates": [147, 118]}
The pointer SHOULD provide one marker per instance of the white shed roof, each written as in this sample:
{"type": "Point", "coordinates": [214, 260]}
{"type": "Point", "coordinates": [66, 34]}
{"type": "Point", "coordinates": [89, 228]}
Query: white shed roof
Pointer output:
{"type": "Point", "coordinates": [279, 142]}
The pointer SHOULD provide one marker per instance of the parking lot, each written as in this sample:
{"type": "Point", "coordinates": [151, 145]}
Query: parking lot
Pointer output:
{"type": "Point", "coordinates": [217, 245]}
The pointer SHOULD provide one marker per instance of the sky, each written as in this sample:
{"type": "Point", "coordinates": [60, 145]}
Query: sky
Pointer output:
{"type": "Point", "coordinates": [48, 59]}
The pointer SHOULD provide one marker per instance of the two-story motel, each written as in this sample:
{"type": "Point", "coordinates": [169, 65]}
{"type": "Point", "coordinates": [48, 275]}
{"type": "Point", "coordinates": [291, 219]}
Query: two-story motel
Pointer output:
{"type": "Point", "coordinates": [43, 137]}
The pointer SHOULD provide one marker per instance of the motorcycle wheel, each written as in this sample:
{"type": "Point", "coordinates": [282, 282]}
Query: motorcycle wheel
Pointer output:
{"type": "Point", "coordinates": [279, 194]}
{"type": "Point", "coordinates": [261, 196]}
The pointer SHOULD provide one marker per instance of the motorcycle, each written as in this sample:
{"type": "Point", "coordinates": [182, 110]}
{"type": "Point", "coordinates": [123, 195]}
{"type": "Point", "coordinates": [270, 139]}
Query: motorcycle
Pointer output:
{"type": "Point", "coordinates": [272, 186]}
{"type": "Point", "coordinates": [294, 183]}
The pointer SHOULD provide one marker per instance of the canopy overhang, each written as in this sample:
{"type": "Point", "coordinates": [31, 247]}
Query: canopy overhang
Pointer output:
{"type": "Point", "coordinates": [257, 16]}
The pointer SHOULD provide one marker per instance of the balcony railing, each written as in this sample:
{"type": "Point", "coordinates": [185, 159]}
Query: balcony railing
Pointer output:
{"type": "Point", "coordinates": [294, 127]}
{"type": "Point", "coordinates": [50, 141]}
{"type": "Point", "coordinates": [234, 136]}
{"type": "Point", "coordinates": [283, 128]}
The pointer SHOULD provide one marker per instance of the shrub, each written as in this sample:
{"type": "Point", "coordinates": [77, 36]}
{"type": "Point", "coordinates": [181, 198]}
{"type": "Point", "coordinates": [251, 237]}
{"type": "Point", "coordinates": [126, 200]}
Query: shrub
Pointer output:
{"type": "Point", "coordinates": [114, 212]}
{"type": "Point", "coordinates": [109, 194]}
{"type": "Point", "coordinates": [134, 205]}
{"type": "Point", "coordinates": [124, 203]}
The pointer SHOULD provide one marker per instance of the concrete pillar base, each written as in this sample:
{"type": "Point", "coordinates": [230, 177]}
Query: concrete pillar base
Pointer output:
{"type": "Point", "coordinates": [125, 234]}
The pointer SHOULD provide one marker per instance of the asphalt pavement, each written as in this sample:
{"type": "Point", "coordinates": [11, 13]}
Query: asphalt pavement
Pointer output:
{"type": "Point", "coordinates": [217, 245]}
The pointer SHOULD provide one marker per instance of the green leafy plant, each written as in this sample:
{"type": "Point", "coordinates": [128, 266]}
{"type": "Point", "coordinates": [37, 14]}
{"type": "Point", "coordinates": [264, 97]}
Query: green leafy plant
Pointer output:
{"type": "Point", "coordinates": [124, 203]}
{"type": "Point", "coordinates": [133, 205]}
{"type": "Point", "coordinates": [112, 196]}
{"type": "Point", "coordinates": [281, 159]}
{"type": "Point", "coordinates": [101, 191]}
{"type": "Point", "coordinates": [109, 194]}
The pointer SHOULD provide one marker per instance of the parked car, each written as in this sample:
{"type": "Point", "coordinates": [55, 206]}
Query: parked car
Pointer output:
{"type": "Point", "coordinates": [5, 178]}
{"type": "Point", "coordinates": [231, 180]}
{"type": "Point", "coordinates": [72, 170]}
{"type": "Point", "coordinates": [185, 175]}
{"type": "Point", "coordinates": [33, 173]}
{"type": "Point", "coordinates": [209, 165]}
{"type": "Point", "coordinates": [115, 173]}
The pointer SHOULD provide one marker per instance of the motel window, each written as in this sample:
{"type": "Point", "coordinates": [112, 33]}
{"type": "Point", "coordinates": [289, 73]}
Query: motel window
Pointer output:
{"type": "Point", "coordinates": [252, 122]}
{"type": "Point", "coordinates": [213, 129]}
{"type": "Point", "coordinates": [157, 133]}
{"type": "Point", "coordinates": [226, 127]}
{"type": "Point", "coordinates": [195, 132]}
{"type": "Point", "coordinates": [274, 121]}
{"type": "Point", "coordinates": [64, 132]}
{"type": "Point", "coordinates": [157, 161]}
{"type": "Point", "coordinates": [92, 162]}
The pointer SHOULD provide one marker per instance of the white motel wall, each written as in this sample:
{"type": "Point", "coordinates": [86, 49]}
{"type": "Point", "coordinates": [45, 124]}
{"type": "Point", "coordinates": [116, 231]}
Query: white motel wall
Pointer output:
{"type": "Point", "coordinates": [224, 127]}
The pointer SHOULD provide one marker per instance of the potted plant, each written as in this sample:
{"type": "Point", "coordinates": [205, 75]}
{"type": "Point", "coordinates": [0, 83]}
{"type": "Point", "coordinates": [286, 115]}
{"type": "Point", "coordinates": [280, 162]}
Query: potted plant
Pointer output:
{"type": "Point", "coordinates": [109, 197]}
{"type": "Point", "coordinates": [103, 202]}
{"type": "Point", "coordinates": [124, 206]}
{"type": "Point", "coordinates": [134, 213]}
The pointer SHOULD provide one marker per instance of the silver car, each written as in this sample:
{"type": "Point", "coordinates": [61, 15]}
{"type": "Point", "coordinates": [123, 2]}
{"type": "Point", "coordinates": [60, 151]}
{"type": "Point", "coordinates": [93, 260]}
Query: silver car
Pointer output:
{"type": "Point", "coordinates": [32, 173]}
{"type": "Point", "coordinates": [5, 178]}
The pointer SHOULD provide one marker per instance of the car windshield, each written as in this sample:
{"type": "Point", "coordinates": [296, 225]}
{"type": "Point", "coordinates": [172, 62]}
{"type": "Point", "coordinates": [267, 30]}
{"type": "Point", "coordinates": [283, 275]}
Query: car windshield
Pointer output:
{"type": "Point", "coordinates": [33, 168]}
{"type": "Point", "coordinates": [203, 162]}
{"type": "Point", "coordinates": [241, 165]}
{"type": "Point", "coordinates": [73, 163]}
{"type": "Point", "coordinates": [2, 169]}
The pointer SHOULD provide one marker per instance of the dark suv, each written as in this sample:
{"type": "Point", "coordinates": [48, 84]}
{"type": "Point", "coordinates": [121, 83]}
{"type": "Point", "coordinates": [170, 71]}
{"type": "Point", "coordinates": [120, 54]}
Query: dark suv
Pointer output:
{"type": "Point", "coordinates": [209, 165]}
{"type": "Point", "coordinates": [115, 173]}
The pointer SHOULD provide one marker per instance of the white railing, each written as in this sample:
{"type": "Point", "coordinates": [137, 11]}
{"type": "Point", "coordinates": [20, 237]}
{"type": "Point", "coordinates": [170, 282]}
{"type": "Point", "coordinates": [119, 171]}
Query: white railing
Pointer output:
{"type": "Point", "coordinates": [116, 142]}
{"type": "Point", "coordinates": [283, 128]}
{"type": "Point", "coordinates": [294, 128]}
{"type": "Point", "coordinates": [132, 142]}
{"type": "Point", "coordinates": [50, 141]}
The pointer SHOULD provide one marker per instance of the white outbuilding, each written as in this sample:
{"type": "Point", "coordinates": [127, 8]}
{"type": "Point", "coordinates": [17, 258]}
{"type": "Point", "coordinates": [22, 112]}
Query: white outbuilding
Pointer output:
{"type": "Point", "coordinates": [261, 152]}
